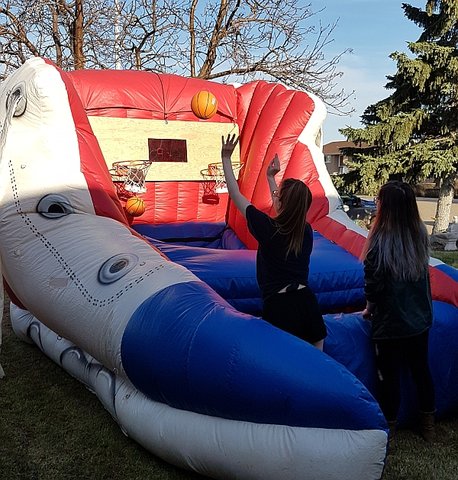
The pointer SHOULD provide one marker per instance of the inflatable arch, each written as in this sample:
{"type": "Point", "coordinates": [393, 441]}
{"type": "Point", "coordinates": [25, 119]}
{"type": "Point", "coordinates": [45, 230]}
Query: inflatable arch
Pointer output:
{"type": "Point", "coordinates": [158, 314]}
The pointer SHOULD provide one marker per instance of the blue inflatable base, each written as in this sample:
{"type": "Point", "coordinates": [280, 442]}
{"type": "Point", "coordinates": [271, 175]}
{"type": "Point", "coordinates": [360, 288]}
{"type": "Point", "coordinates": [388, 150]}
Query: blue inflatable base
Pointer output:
{"type": "Point", "coordinates": [215, 255]}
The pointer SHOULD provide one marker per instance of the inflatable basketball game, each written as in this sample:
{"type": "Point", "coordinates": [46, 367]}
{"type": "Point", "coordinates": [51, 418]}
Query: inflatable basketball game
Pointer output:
{"type": "Point", "coordinates": [128, 266]}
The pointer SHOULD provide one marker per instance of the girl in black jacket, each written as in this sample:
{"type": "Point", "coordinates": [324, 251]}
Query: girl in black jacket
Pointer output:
{"type": "Point", "coordinates": [398, 296]}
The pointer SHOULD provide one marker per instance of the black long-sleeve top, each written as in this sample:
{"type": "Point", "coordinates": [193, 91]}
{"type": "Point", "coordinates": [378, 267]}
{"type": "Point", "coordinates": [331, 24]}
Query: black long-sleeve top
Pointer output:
{"type": "Point", "coordinates": [274, 269]}
{"type": "Point", "coordinates": [400, 308]}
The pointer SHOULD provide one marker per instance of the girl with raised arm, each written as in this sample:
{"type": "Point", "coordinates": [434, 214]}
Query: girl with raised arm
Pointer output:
{"type": "Point", "coordinates": [284, 246]}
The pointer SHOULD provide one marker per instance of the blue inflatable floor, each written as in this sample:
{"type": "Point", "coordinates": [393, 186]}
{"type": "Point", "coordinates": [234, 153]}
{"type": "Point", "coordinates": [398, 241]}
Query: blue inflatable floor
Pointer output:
{"type": "Point", "coordinates": [215, 255]}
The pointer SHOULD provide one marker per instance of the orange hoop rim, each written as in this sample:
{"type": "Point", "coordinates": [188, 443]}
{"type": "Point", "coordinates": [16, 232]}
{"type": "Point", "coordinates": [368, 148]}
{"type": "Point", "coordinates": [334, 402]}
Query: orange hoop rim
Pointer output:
{"type": "Point", "coordinates": [121, 167]}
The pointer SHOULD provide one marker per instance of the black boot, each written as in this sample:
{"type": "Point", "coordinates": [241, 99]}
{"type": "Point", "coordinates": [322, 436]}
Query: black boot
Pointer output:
{"type": "Point", "coordinates": [427, 426]}
{"type": "Point", "coordinates": [392, 428]}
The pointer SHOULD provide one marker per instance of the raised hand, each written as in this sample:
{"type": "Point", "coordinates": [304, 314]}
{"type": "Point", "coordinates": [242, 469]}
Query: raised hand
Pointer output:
{"type": "Point", "coordinates": [228, 145]}
{"type": "Point", "coordinates": [274, 167]}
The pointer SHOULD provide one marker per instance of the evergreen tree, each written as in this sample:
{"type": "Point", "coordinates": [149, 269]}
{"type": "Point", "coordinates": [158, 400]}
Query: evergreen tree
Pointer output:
{"type": "Point", "coordinates": [413, 132]}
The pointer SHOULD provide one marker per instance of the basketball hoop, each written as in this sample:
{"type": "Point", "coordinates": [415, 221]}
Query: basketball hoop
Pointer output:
{"type": "Point", "coordinates": [118, 182]}
{"type": "Point", "coordinates": [215, 182]}
{"type": "Point", "coordinates": [129, 176]}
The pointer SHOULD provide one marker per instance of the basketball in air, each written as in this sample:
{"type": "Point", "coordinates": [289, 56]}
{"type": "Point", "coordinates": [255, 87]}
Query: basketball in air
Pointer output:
{"type": "Point", "coordinates": [204, 104]}
{"type": "Point", "coordinates": [135, 206]}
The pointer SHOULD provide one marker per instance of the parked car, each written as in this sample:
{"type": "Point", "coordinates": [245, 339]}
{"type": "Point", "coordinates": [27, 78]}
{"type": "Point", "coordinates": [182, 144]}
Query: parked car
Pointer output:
{"type": "Point", "coordinates": [358, 208]}
{"type": "Point", "coordinates": [350, 201]}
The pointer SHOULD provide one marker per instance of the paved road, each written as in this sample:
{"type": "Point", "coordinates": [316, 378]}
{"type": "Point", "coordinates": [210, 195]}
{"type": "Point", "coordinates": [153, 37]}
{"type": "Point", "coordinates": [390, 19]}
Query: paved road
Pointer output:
{"type": "Point", "coordinates": [427, 208]}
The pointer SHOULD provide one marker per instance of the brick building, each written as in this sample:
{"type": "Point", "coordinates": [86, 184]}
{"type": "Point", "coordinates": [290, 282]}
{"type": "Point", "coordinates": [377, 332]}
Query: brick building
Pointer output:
{"type": "Point", "coordinates": [334, 158]}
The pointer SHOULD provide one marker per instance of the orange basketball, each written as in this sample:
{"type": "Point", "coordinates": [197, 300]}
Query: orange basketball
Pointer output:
{"type": "Point", "coordinates": [204, 104]}
{"type": "Point", "coordinates": [135, 206]}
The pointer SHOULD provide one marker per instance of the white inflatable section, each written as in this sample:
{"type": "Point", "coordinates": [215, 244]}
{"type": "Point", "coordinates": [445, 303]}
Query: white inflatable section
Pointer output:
{"type": "Point", "coordinates": [434, 262]}
{"type": "Point", "coordinates": [97, 319]}
{"type": "Point", "coordinates": [212, 446]}
{"type": "Point", "coordinates": [68, 250]}
{"type": "Point", "coordinates": [46, 130]}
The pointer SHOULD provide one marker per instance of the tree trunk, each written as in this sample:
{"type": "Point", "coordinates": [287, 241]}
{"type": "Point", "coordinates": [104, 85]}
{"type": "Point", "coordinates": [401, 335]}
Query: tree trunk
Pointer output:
{"type": "Point", "coordinates": [444, 204]}
{"type": "Point", "coordinates": [192, 39]}
{"type": "Point", "coordinates": [219, 31]}
{"type": "Point", "coordinates": [78, 35]}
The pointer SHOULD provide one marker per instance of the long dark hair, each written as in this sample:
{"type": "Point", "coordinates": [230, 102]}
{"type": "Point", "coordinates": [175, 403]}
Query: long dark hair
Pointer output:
{"type": "Point", "coordinates": [294, 202]}
{"type": "Point", "coordinates": [398, 238]}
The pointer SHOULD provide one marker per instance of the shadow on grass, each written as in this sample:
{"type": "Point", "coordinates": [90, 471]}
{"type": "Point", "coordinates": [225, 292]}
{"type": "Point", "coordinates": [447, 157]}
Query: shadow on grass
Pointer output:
{"type": "Point", "coordinates": [53, 428]}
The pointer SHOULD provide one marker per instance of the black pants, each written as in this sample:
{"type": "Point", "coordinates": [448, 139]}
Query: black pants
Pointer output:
{"type": "Point", "coordinates": [297, 312]}
{"type": "Point", "coordinates": [391, 357]}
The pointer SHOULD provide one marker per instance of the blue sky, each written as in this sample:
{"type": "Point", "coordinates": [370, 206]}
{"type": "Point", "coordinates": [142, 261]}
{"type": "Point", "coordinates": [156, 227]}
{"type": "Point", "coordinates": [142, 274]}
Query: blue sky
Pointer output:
{"type": "Point", "coordinates": [373, 29]}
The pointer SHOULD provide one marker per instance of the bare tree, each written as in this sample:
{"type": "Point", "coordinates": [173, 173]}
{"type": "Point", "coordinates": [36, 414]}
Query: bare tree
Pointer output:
{"type": "Point", "coordinates": [69, 33]}
{"type": "Point", "coordinates": [230, 40]}
{"type": "Point", "coordinates": [235, 40]}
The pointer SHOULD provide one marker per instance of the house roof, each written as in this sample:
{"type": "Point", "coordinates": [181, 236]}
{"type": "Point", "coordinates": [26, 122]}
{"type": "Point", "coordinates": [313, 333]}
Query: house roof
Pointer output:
{"type": "Point", "coordinates": [333, 148]}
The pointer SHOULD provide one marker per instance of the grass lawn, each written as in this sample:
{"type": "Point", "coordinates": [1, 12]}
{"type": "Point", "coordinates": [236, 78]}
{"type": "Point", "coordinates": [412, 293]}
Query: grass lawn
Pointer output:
{"type": "Point", "coordinates": [449, 257]}
{"type": "Point", "coordinates": [53, 428]}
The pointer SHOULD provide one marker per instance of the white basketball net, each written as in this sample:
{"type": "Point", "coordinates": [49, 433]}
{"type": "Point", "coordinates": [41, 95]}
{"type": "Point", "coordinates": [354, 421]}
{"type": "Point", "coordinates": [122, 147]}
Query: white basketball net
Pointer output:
{"type": "Point", "coordinates": [215, 173]}
{"type": "Point", "coordinates": [132, 173]}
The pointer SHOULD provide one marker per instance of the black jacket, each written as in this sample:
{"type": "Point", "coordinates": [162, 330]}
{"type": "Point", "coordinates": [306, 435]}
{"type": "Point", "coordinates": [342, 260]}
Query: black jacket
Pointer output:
{"type": "Point", "coordinates": [401, 308]}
